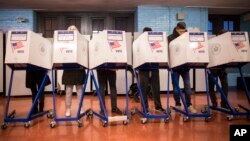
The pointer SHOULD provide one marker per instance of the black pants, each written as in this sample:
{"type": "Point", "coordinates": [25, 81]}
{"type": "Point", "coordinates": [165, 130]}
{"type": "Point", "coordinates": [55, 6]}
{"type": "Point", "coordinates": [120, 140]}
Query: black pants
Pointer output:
{"type": "Point", "coordinates": [103, 77]}
{"type": "Point", "coordinates": [34, 89]}
{"type": "Point", "coordinates": [145, 80]}
{"type": "Point", "coordinates": [221, 73]}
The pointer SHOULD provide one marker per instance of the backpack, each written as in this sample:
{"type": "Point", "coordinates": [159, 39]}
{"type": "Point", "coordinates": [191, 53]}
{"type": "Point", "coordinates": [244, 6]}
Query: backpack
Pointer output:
{"type": "Point", "coordinates": [134, 92]}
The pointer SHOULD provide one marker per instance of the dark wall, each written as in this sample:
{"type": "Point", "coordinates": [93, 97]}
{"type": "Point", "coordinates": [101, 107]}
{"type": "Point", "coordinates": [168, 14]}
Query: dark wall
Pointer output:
{"type": "Point", "coordinates": [47, 22]}
{"type": "Point", "coordinates": [218, 21]}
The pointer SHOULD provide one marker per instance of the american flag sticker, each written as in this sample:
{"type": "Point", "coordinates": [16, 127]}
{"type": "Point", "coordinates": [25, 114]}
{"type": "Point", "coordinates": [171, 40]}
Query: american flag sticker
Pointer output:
{"type": "Point", "coordinates": [114, 45]}
{"type": "Point", "coordinates": [199, 46]}
{"type": "Point", "coordinates": [239, 45]}
{"type": "Point", "coordinates": [155, 45]}
{"type": "Point", "coordinates": [17, 45]}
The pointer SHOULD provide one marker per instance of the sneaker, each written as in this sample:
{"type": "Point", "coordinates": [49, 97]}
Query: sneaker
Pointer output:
{"type": "Point", "coordinates": [117, 111]}
{"type": "Point", "coordinates": [192, 110]}
{"type": "Point", "coordinates": [179, 107]}
{"type": "Point", "coordinates": [160, 109]}
{"type": "Point", "coordinates": [81, 111]}
{"type": "Point", "coordinates": [67, 113]}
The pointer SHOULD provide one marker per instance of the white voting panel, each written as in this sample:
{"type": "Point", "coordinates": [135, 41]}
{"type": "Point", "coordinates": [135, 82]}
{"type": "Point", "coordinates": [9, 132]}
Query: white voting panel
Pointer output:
{"type": "Point", "coordinates": [189, 48]}
{"type": "Point", "coordinates": [162, 72]}
{"type": "Point", "coordinates": [26, 47]}
{"type": "Point", "coordinates": [1, 62]}
{"type": "Point", "coordinates": [230, 47]}
{"type": "Point", "coordinates": [120, 74]}
{"type": "Point", "coordinates": [129, 47]}
{"type": "Point", "coordinates": [108, 46]}
{"type": "Point", "coordinates": [70, 47]}
{"type": "Point", "coordinates": [150, 47]}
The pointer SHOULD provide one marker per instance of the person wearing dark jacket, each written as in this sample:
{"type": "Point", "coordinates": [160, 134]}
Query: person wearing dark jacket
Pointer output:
{"type": "Point", "coordinates": [222, 74]}
{"type": "Point", "coordinates": [183, 72]}
{"type": "Point", "coordinates": [71, 78]}
{"type": "Point", "coordinates": [150, 77]}
{"type": "Point", "coordinates": [34, 79]}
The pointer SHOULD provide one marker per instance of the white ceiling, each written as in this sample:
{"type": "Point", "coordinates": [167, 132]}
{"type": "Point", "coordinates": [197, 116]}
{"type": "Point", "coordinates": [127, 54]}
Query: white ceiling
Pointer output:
{"type": "Point", "coordinates": [214, 6]}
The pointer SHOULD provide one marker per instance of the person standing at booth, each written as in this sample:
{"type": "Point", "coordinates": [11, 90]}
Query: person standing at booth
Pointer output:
{"type": "Point", "coordinates": [34, 79]}
{"type": "Point", "coordinates": [222, 74]}
{"type": "Point", "coordinates": [183, 72]}
{"type": "Point", "coordinates": [109, 76]}
{"type": "Point", "coordinates": [71, 78]}
{"type": "Point", "coordinates": [150, 77]}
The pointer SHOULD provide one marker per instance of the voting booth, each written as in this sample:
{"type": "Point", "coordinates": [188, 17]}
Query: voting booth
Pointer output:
{"type": "Point", "coordinates": [191, 48]}
{"type": "Point", "coordinates": [120, 73]}
{"type": "Point", "coordinates": [227, 50]}
{"type": "Point", "coordinates": [109, 47]}
{"type": "Point", "coordinates": [18, 83]}
{"type": "Point", "coordinates": [230, 48]}
{"type": "Point", "coordinates": [25, 48]}
{"type": "Point", "coordinates": [150, 48]}
{"type": "Point", "coordinates": [70, 49]}
{"type": "Point", "coordinates": [150, 51]}
{"type": "Point", "coordinates": [108, 50]}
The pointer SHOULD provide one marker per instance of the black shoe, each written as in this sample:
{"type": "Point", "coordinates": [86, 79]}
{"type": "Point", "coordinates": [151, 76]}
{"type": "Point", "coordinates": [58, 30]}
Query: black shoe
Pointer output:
{"type": "Point", "coordinates": [117, 111]}
{"type": "Point", "coordinates": [136, 99]}
{"type": "Point", "coordinates": [101, 112]}
{"type": "Point", "coordinates": [160, 109]}
{"type": "Point", "coordinates": [214, 105]}
{"type": "Point", "coordinates": [224, 106]}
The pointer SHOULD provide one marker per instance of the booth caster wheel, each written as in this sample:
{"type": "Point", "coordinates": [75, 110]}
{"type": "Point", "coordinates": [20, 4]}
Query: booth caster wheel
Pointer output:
{"type": "Point", "coordinates": [230, 117]}
{"type": "Point", "coordinates": [166, 120]}
{"type": "Point", "coordinates": [133, 112]}
{"type": "Point", "coordinates": [12, 114]}
{"type": "Point", "coordinates": [144, 120]}
{"type": "Point", "coordinates": [50, 114]}
{"type": "Point", "coordinates": [105, 124]}
{"type": "Point", "coordinates": [89, 114]}
{"type": "Point", "coordinates": [4, 126]}
{"type": "Point", "coordinates": [204, 110]}
{"type": "Point", "coordinates": [186, 119]}
{"type": "Point", "coordinates": [237, 109]}
{"type": "Point", "coordinates": [52, 124]}
{"type": "Point", "coordinates": [207, 119]}
{"type": "Point", "coordinates": [26, 124]}
{"type": "Point", "coordinates": [80, 123]}
{"type": "Point", "coordinates": [125, 122]}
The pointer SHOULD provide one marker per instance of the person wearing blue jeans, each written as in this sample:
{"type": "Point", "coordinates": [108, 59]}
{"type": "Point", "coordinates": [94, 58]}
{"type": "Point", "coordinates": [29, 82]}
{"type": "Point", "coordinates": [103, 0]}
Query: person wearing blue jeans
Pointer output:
{"type": "Point", "coordinates": [183, 72]}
